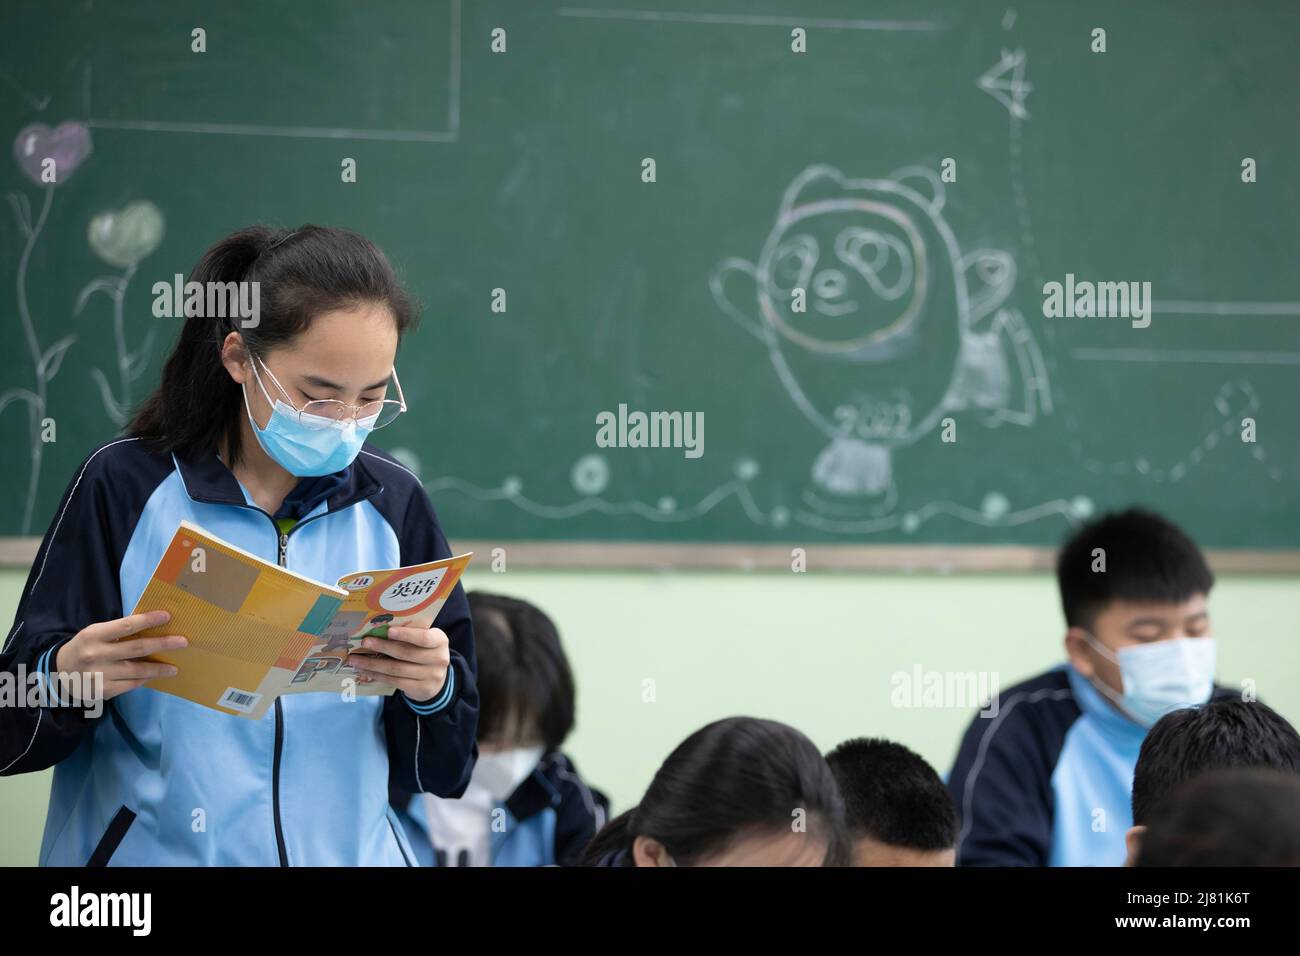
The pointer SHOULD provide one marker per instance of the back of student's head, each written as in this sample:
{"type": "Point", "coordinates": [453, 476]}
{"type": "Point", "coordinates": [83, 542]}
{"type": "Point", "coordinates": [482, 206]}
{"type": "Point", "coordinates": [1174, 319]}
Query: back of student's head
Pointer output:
{"type": "Point", "coordinates": [1228, 818]}
{"type": "Point", "coordinates": [1220, 735]}
{"type": "Point", "coordinates": [526, 693]}
{"type": "Point", "coordinates": [736, 781]}
{"type": "Point", "coordinates": [892, 796]}
{"type": "Point", "coordinates": [1132, 555]}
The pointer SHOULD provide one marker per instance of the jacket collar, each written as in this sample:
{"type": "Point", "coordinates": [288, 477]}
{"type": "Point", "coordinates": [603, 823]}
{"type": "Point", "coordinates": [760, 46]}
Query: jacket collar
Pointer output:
{"type": "Point", "coordinates": [206, 478]}
{"type": "Point", "coordinates": [536, 793]}
{"type": "Point", "coordinates": [1105, 715]}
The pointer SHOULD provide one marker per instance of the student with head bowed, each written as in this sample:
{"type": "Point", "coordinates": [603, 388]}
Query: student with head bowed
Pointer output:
{"type": "Point", "coordinates": [1186, 744]}
{"type": "Point", "coordinates": [1227, 818]}
{"type": "Point", "coordinates": [737, 792]}
{"type": "Point", "coordinates": [898, 811]}
{"type": "Point", "coordinates": [526, 804]}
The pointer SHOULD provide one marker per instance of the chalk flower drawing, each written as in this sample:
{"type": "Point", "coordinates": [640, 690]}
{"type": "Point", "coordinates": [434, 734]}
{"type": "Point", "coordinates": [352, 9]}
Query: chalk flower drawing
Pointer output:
{"type": "Point", "coordinates": [39, 151]}
{"type": "Point", "coordinates": [122, 238]}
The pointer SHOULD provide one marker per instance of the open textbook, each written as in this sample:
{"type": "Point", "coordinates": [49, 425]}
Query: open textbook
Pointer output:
{"type": "Point", "coordinates": [257, 630]}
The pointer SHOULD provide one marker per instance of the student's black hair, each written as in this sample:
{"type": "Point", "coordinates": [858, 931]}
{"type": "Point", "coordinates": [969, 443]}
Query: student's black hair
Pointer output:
{"type": "Point", "coordinates": [1229, 818]}
{"type": "Point", "coordinates": [1220, 735]}
{"type": "Point", "coordinates": [302, 274]}
{"type": "Point", "coordinates": [892, 795]}
{"type": "Point", "coordinates": [730, 779]}
{"type": "Point", "coordinates": [523, 672]}
{"type": "Point", "coordinates": [1146, 559]}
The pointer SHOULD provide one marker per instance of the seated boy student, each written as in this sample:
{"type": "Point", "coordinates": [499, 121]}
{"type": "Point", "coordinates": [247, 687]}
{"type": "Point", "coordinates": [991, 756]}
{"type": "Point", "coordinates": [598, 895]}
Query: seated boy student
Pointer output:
{"type": "Point", "coordinates": [1227, 818]}
{"type": "Point", "coordinates": [1222, 735]}
{"type": "Point", "coordinates": [897, 809]}
{"type": "Point", "coordinates": [1045, 779]}
{"type": "Point", "coordinates": [525, 804]}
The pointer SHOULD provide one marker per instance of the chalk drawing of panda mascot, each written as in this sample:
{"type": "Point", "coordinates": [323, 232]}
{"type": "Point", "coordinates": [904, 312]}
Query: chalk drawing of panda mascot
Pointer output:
{"type": "Point", "coordinates": [878, 326]}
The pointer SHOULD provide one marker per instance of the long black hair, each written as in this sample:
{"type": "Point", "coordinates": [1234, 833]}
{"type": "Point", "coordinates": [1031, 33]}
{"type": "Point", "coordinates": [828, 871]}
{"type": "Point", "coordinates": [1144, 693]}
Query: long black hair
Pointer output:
{"type": "Point", "coordinates": [301, 274]}
{"type": "Point", "coordinates": [730, 778]}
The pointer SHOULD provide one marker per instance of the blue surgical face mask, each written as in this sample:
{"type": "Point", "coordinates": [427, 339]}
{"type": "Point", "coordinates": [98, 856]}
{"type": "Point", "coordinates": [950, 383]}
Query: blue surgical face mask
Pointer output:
{"type": "Point", "coordinates": [311, 446]}
{"type": "Point", "coordinates": [1162, 676]}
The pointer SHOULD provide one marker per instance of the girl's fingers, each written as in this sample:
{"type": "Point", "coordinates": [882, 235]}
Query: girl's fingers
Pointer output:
{"type": "Point", "coordinates": [125, 626]}
{"type": "Point", "coordinates": [143, 647]}
{"type": "Point", "coordinates": [387, 667]}
{"type": "Point", "coordinates": [402, 651]}
{"type": "Point", "coordinates": [139, 670]}
{"type": "Point", "coordinates": [419, 636]}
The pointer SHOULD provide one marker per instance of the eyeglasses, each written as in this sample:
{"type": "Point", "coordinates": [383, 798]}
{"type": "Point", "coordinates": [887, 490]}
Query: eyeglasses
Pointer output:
{"type": "Point", "coordinates": [324, 412]}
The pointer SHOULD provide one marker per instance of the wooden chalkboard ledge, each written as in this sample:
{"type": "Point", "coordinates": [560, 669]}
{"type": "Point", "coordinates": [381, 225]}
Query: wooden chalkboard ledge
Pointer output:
{"type": "Point", "coordinates": [896, 558]}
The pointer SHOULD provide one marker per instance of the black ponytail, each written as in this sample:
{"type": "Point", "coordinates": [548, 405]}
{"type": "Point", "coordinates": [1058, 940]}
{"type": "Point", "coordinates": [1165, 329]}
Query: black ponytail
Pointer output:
{"type": "Point", "coordinates": [301, 274]}
{"type": "Point", "coordinates": [730, 778]}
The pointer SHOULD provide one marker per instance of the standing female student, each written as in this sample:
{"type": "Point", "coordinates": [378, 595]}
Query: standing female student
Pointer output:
{"type": "Point", "coordinates": [256, 434]}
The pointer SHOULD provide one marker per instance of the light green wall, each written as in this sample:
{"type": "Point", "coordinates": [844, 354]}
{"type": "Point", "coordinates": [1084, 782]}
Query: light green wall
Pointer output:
{"type": "Point", "coordinates": [817, 651]}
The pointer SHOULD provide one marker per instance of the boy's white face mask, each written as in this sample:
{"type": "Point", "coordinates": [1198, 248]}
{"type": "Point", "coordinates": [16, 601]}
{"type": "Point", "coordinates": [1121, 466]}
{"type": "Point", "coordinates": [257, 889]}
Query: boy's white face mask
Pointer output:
{"type": "Point", "coordinates": [1162, 676]}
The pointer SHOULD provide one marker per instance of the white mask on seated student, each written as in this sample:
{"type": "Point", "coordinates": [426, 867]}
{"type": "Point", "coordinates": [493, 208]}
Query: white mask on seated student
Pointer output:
{"type": "Point", "coordinates": [462, 828]}
{"type": "Point", "coordinates": [500, 772]}
{"type": "Point", "coordinates": [1162, 676]}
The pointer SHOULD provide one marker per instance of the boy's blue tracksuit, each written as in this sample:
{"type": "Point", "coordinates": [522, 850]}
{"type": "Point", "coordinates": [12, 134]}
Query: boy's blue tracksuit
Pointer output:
{"type": "Point", "coordinates": [549, 819]}
{"type": "Point", "coordinates": [1048, 781]}
{"type": "Point", "coordinates": [157, 780]}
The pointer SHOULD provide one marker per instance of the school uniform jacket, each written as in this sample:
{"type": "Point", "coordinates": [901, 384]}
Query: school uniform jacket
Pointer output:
{"type": "Point", "coordinates": [549, 819]}
{"type": "Point", "coordinates": [1048, 779]}
{"type": "Point", "coordinates": [157, 780]}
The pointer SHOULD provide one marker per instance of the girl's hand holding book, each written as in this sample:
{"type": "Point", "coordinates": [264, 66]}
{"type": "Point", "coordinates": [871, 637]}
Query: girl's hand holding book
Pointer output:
{"type": "Point", "coordinates": [413, 659]}
{"type": "Point", "coordinates": [103, 648]}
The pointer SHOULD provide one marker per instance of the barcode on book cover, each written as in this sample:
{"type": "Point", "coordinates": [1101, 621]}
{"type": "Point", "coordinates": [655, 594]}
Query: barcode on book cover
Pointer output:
{"type": "Point", "coordinates": [240, 700]}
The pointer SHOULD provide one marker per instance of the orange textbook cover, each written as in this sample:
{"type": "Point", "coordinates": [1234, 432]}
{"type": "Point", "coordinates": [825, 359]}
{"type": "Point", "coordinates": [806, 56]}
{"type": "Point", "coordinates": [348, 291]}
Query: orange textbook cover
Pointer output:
{"type": "Point", "coordinates": [257, 630]}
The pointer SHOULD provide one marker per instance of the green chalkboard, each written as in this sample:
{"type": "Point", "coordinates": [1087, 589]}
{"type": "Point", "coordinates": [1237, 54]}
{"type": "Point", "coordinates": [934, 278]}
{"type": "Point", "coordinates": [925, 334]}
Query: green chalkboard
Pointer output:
{"type": "Point", "coordinates": [839, 264]}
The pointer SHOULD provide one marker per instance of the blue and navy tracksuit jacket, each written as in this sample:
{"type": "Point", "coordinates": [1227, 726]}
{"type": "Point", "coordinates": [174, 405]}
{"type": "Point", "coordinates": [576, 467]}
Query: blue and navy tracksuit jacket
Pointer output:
{"type": "Point", "coordinates": [549, 819]}
{"type": "Point", "coordinates": [157, 780]}
{"type": "Point", "coordinates": [1048, 780]}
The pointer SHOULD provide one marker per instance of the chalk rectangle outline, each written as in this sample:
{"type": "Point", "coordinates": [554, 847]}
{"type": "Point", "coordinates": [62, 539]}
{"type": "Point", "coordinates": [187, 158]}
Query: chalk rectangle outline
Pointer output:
{"type": "Point", "coordinates": [450, 135]}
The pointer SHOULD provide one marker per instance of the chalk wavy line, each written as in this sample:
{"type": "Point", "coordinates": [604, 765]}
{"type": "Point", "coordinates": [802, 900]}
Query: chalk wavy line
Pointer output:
{"type": "Point", "coordinates": [741, 492]}
{"type": "Point", "coordinates": [951, 509]}
{"type": "Point", "coordinates": [602, 506]}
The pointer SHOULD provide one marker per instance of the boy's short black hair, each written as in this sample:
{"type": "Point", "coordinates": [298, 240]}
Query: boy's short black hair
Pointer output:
{"type": "Point", "coordinates": [1220, 735]}
{"type": "Point", "coordinates": [522, 670]}
{"type": "Point", "coordinates": [1228, 818]}
{"type": "Point", "coordinates": [1146, 558]}
{"type": "Point", "coordinates": [892, 795]}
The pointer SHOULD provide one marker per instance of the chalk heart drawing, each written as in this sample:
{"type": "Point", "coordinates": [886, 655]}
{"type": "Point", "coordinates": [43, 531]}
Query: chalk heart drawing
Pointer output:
{"type": "Point", "coordinates": [897, 329]}
{"type": "Point", "coordinates": [68, 144]}
{"type": "Point", "coordinates": [124, 236]}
